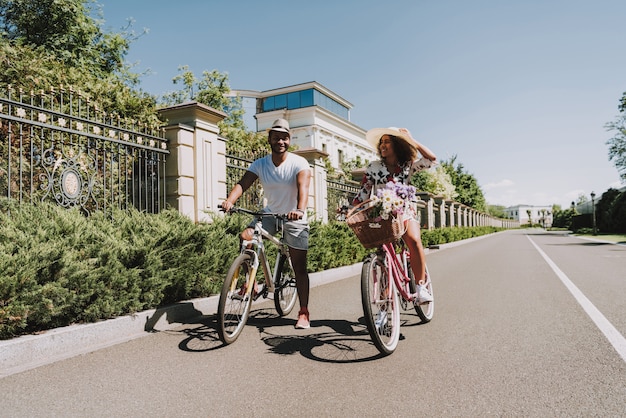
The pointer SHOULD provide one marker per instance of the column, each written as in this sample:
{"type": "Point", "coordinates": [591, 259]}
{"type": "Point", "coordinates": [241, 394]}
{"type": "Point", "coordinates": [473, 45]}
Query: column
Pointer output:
{"type": "Point", "coordinates": [195, 173]}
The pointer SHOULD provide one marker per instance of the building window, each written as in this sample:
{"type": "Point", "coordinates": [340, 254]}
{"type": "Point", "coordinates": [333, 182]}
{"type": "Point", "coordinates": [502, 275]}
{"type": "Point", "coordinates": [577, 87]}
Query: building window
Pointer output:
{"type": "Point", "coordinates": [280, 101]}
{"type": "Point", "coordinates": [293, 100]}
{"type": "Point", "coordinates": [304, 98]}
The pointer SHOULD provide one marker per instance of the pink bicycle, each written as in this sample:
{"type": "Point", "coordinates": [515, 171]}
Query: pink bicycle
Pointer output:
{"type": "Point", "coordinates": [387, 281]}
{"type": "Point", "coordinates": [387, 285]}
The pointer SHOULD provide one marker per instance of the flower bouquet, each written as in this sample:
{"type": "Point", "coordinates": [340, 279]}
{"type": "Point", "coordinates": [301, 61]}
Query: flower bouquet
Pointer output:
{"type": "Point", "coordinates": [392, 200]}
{"type": "Point", "coordinates": [380, 219]}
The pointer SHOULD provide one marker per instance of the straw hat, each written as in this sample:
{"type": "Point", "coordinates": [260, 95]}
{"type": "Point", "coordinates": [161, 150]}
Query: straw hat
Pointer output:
{"type": "Point", "coordinates": [280, 125]}
{"type": "Point", "coordinates": [373, 136]}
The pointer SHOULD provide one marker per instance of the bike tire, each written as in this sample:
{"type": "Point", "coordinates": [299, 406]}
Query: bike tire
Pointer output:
{"type": "Point", "coordinates": [233, 308]}
{"type": "Point", "coordinates": [285, 292]}
{"type": "Point", "coordinates": [381, 305]}
{"type": "Point", "coordinates": [424, 311]}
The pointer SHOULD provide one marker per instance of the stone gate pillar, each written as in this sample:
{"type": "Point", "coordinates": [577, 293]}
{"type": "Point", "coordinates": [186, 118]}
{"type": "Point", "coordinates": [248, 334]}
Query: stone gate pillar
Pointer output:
{"type": "Point", "coordinates": [195, 173]}
{"type": "Point", "coordinates": [440, 221]}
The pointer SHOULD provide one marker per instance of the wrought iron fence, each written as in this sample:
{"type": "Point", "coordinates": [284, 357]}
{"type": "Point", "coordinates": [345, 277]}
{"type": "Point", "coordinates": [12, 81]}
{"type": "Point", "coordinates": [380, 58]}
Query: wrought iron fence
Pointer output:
{"type": "Point", "coordinates": [58, 146]}
{"type": "Point", "coordinates": [236, 166]}
{"type": "Point", "coordinates": [340, 196]}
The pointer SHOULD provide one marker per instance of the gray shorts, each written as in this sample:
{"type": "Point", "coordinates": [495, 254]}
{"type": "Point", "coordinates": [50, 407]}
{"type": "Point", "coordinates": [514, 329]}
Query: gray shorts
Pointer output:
{"type": "Point", "coordinates": [296, 232]}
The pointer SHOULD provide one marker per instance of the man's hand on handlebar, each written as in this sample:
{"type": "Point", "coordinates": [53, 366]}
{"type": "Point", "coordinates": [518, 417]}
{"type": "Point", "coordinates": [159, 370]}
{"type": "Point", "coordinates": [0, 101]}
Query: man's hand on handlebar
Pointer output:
{"type": "Point", "coordinates": [294, 215]}
{"type": "Point", "coordinates": [226, 206]}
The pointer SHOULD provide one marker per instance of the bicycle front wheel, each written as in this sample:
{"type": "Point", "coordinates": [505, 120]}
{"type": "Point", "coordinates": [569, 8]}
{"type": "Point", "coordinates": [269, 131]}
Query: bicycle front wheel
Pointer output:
{"type": "Point", "coordinates": [235, 299]}
{"type": "Point", "coordinates": [285, 292]}
{"type": "Point", "coordinates": [381, 305]}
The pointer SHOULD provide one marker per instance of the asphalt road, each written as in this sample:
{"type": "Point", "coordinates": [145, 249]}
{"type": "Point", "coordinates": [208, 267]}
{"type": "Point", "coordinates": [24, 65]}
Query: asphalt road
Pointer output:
{"type": "Point", "coordinates": [526, 324]}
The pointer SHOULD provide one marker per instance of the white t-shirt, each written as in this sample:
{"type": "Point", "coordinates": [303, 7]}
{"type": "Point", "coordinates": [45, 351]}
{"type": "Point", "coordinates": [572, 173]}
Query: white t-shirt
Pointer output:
{"type": "Point", "coordinates": [280, 184]}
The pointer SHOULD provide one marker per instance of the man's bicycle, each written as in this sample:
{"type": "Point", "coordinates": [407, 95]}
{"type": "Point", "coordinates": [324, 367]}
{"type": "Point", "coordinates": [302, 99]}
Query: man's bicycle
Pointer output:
{"type": "Point", "coordinates": [387, 280]}
{"type": "Point", "coordinates": [240, 286]}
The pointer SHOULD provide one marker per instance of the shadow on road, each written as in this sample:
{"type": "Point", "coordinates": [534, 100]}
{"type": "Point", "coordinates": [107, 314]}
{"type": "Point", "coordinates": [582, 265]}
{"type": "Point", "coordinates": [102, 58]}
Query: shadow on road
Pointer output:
{"type": "Point", "coordinates": [176, 313]}
{"type": "Point", "coordinates": [328, 340]}
{"type": "Point", "coordinates": [202, 337]}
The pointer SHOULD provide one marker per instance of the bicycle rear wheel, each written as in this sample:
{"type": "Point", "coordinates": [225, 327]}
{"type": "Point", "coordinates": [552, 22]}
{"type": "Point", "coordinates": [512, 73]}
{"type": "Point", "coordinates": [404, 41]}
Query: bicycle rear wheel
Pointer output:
{"type": "Point", "coordinates": [285, 292]}
{"type": "Point", "coordinates": [235, 299]}
{"type": "Point", "coordinates": [381, 305]}
{"type": "Point", "coordinates": [426, 310]}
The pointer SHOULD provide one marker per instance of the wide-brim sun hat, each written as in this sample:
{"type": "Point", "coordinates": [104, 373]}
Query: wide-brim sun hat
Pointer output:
{"type": "Point", "coordinates": [280, 125]}
{"type": "Point", "coordinates": [373, 136]}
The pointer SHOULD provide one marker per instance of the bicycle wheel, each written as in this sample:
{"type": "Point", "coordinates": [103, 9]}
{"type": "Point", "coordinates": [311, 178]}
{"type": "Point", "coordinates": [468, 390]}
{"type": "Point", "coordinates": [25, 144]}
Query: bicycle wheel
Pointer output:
{"type": "Point", "coordinates": [381, 305]}
{"type": "Point", "coordinates": [285, 292]}
{"type": "Point", "coordinates": [426, 310]}
{"type": "Point", "coordinates": [235, 301]}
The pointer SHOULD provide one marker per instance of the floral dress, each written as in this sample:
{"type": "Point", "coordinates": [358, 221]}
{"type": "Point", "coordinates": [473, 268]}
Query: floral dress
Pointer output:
{"type": "Point", "coordinates": [377, 176]}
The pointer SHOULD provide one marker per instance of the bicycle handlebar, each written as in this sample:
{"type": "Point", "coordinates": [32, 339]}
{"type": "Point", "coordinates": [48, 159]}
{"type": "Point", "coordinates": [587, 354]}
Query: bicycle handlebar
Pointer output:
{"type": "Point", "coordinates": [237, 209]}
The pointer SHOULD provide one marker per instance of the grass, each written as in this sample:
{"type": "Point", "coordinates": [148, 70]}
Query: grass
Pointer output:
{"type": "Point", "coordinates": [616, 238]}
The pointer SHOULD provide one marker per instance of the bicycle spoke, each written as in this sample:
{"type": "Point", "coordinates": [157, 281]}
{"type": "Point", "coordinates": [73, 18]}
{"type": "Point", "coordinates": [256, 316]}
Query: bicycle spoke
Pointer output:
{"type": "Point", "coordinates": [235, 299]}
{"type": "Point", "coordinates": [380, 305]}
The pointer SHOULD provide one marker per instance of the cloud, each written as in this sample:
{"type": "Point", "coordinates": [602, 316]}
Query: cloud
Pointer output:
{"type": "Point", "coordinates": [499, 184]}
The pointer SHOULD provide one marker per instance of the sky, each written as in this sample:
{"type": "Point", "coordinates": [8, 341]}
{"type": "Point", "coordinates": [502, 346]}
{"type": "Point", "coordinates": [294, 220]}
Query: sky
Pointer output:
{"type": "Point", "coordinates": [519, 92]}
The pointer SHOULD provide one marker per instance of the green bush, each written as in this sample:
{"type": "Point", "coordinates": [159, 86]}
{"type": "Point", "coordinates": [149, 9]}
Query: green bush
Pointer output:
{"type": "Point", "coordinates": [445, 235]}
{"type": "Point", "coordinates": [59, 267]}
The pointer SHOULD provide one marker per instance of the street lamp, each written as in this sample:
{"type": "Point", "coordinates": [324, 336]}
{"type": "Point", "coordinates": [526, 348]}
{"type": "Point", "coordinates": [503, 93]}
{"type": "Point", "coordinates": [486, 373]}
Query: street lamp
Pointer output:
{"type": "Point", "coordinates": [593, 212]}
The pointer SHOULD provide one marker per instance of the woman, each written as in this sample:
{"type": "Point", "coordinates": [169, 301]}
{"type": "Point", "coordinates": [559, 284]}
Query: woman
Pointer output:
{"type": "Point", "coordinates": [398, 153]}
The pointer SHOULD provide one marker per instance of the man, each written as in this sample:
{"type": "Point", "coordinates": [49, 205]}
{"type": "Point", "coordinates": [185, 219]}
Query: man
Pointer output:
{"type": "Point", "coordinates": [285, 178]}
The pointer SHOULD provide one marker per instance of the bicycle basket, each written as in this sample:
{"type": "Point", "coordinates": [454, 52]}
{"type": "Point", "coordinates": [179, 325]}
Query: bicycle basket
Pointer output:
{"type": "Point", "coordinates": [373, 232]}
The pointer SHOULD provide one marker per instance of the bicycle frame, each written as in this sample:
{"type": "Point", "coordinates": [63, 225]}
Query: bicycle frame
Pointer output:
{"type": "Point", "coordinates": [397, 268]}
{"type": "Point", "coordinates": [388, 285]}
{"type": "Point", "coordinates": [239, 289]}
{"type": "Point", "coordinates": [258, 254]}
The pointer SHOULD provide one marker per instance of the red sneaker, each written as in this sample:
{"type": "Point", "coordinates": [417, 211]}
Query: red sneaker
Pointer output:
{"type": "Point", "coordinates": [303, 319]}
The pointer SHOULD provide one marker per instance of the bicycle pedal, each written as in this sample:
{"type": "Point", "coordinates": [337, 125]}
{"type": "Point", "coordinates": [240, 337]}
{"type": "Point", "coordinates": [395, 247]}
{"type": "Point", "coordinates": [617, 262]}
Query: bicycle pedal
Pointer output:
{"type": "Point", "coordinates": [263, 292]}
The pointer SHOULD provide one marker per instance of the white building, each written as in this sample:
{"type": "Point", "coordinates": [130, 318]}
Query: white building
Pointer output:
{"type": "Point", "coordinates": [319, 119]}
{"type": "Point", "coordinates": [541, 215]}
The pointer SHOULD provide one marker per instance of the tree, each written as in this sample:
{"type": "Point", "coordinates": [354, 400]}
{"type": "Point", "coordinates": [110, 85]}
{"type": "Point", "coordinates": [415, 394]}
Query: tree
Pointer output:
{"type": "Point", "coordinates": [66, 30]}
{"type": "Point", "coordinates": [604, 210]}
{"type": "Point", "coordinates": [562, 218]}
{"type": "Point", "coordinates": [582, 198]}
{"type": "Point", "coordinates": [213, 90]}
{"type": "Point", "coordinates": [617, 144]}
{"type": "Point", "coordinates": [465, 184]}
{"type": "Point", "coordinates": [57, 44]}
{"type": "Point", "coordinates": [435, 181]}
{"type": "Point", "coordinates": [496, 211]}
{"type": "Point", "coordinates": [351, 165]}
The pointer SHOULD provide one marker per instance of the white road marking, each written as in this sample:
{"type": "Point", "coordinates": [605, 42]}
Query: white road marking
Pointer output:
{"type": "Point", "coordinates": [616, 339]}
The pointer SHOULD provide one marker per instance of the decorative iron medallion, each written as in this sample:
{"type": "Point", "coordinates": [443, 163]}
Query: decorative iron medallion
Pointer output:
{"type": "Point", "coordinates": [71, 183]}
